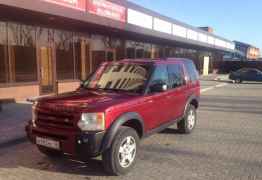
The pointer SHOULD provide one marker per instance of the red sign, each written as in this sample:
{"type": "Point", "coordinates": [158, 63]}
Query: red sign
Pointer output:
{"type": "Point", "coordinates": [75, 4]}
{"type": "Point", "coordinates": [107, 9]}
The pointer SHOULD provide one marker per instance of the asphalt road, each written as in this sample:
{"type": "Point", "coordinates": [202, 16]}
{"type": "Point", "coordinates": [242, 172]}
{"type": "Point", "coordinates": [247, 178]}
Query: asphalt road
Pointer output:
{"type": "Point", "coordinates": [227, 144]}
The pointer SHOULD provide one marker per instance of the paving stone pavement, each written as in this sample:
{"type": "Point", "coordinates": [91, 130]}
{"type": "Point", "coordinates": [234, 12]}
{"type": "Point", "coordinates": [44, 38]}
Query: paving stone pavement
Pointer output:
{"type": "Point", "coordinates": [226, 145]}
{"type": "Point", "coordinates": [13, 119]}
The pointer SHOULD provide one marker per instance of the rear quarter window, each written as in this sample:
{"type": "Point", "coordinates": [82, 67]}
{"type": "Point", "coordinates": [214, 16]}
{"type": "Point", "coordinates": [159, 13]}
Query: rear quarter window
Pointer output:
{"type": "Point", "coordinates": [175, 75]}
{"type": "Point", "coordinates": [192, 71]}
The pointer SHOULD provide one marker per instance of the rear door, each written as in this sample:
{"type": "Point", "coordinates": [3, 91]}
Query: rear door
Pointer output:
{"type": "Point", "coordinates": [176, 97]}
{"type": "Point", "coordinates": [192, 87]}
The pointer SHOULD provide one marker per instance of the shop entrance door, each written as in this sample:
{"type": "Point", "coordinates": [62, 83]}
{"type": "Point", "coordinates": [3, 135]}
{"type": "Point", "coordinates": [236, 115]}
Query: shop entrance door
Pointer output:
{"type": "Point", "coordinates": [47, 84]}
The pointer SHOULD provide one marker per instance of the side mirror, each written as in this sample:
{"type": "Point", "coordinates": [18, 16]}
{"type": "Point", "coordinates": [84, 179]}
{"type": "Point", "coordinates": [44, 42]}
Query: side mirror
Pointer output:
{"type": "Point", "coordinates": [160, 87]}
{"type": "Point", "coordinates": [81, 86]}
{"type": "Point", "coordinates": [185, 80]}
{"type": "Point", "coordinates": [82, 83]}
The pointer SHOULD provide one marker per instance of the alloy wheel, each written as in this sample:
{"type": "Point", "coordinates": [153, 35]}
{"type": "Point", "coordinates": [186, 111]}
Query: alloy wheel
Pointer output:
{"type": "Point", "coordinates": [191, 119]}
{"type": "Point", "coordinates": [127, 152]}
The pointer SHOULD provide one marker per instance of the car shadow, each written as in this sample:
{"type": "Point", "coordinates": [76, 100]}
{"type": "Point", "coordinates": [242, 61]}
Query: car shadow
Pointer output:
{"type": "Point", "coordinates": [65, 165]}
{"type": "Point", "coordinates": [170, 131]}
{"type": "Point", "coordinates": [254, 83]}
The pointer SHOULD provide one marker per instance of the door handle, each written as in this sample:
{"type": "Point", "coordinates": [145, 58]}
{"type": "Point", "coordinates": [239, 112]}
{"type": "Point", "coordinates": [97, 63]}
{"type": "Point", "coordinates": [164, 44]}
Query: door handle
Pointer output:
{"type": "Point", "coordinates": [150, 101]}
{"type": "Point", "coordinates": [179, 89]}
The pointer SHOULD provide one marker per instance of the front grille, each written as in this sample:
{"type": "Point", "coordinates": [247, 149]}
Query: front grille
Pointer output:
{"type": "Point", "coordinates": [55, 120]}
{"type": "Point", "coordinates": [50, 135]}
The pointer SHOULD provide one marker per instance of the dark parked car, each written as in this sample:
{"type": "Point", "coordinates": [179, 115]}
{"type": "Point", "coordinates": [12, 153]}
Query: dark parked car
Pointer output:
{"type": "Point", "coordinates": [246, 74]}
{"type": "Point", "coordinates": [120, 104]}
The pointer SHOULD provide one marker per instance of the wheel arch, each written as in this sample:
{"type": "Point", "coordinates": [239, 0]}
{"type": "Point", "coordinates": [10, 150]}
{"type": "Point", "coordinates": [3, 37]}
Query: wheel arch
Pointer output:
{"type": "Point", "coordinates": [130, 119]}
{"type": "Point", "coordinates": [192, 100]}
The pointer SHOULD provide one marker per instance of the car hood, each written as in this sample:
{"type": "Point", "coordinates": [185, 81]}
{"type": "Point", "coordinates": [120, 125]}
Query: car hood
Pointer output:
{"type": "Point", "coordinates": [85, 99]}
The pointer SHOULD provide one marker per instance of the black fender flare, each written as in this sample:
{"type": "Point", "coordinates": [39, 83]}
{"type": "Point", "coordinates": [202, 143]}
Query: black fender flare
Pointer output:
{"type": "Point", "coordinates": [189, 100]}
{"type": "Point", "coordinates": [122, 119]}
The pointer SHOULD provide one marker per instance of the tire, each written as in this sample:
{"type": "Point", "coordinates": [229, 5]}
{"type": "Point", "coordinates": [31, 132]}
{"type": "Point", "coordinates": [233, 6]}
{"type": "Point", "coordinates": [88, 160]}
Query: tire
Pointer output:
{"type": "Point", "coordinates": [112, 156]}
{"type": "Point", "coordinates": [186, 126]}
{"type": "Point", "coordinates": [49, 152]}
{"type": "Point", "coordinates": [238, 81]}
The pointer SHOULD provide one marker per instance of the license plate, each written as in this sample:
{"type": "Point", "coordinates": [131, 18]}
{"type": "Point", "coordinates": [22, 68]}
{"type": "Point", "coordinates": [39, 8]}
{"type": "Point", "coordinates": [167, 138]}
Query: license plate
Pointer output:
{"type": "Point", "coordinates": [48, 143]}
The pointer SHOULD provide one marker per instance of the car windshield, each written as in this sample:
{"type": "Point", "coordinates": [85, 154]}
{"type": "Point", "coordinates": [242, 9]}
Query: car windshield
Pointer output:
{"type": "Point", "coordinates": [119, 77]}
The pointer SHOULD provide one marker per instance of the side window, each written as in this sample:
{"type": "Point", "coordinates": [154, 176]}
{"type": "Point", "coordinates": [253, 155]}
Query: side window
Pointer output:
{"type": "Point", "coordinates": [175, 75]}
{"type": "Point", "coordinates": [160, 75]}
{"type": "Point", "coordinates": [191, 69]}
{"type": "Point", "coordinates": [253, 72]}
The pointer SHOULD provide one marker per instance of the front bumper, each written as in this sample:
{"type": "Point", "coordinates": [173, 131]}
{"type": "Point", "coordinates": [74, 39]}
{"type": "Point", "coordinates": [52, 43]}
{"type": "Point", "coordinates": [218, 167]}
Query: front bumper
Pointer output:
{"type": "Point", "coordinates": [75, 143]}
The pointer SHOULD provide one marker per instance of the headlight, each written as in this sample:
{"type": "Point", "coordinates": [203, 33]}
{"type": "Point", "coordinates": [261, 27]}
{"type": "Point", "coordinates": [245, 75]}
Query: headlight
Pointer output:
{"type": "Point", "coordinates": [34, 114]}
{"type": "Point", "coordinates": [92, 122]}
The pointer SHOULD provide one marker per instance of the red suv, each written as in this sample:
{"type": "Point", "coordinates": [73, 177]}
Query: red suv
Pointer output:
{"type": "Point", "coordinates": [117, 106]}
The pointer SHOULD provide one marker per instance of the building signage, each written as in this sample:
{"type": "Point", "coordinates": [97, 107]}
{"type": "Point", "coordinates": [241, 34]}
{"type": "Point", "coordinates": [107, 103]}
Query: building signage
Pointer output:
{"type": "Point", "coordinates": [192, 34]}
{"type": "Point", "coordinates": [162, 26]}
{"type": "Point", "coordinates": [202, 37]}
{"type": "Point", "coordinates": [211, 40]}
{"type": "Point", "coordinates": [139, 19]}
{"type": "Point", "coordinates": [220, 43]}
{"type": "Point", "coordinates": [107, 9]}
{"type": "Point", "coordinates": [179, 31]}
{"type": "Point", "coordinates": [75, 4]}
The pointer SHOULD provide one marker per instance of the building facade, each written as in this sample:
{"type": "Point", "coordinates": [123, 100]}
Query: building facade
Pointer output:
{"type": "Point", "coordinates": [247, 51]}
{"type": "Point", "coordinates": [207, 28]}
{"type": "Point", "coordinates": [47, 46]}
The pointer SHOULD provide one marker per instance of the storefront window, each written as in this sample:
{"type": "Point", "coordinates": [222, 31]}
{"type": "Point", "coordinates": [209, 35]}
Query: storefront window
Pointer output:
{"type": "Point", "coordinates": [78, 56]}
{"type": "Point", "coordinates": [147, 50]}
{"type": "Point", "coordinates": [170, 51]}
{"type": "Point", "coordinates": [130, 49]}
{"type": "Point", "coordinates": [114, 49]}
{"type": "Point", "coordinates": [98, 49]}
{"type": "Point", "coordinates": [155, 51]}
{"type": "Point", "coordinates": [70, 55]}
{"type": "Point", "coordinates": [22, 52]}
{"type": "Point", "coordinates": [82, 57]}
{"type": "Point", "coordinates": [138, 50]}
{"type": "Point", "coordinates": [64, 55]}
{"type": "Point", "coordinates": [120, 48]}
{"type": "Point", "coordinates": [3, 54]}
{"type": "Point", "coordinates": [162, 51]}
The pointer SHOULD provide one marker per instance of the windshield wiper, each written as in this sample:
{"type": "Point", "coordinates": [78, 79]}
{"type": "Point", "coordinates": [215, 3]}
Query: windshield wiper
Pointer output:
{"type": "Point", "coordinates": [109, 89]}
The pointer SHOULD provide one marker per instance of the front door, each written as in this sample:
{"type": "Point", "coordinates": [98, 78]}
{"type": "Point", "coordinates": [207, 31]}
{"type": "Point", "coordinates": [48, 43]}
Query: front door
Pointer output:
{"type": "Point", "coordinates": [158, 105]}
{"type": "Point", "coordinates": [46, 70]}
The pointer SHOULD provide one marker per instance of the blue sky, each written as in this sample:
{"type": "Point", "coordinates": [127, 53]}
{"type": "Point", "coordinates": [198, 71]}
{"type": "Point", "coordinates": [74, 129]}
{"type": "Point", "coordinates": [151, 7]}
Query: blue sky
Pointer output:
{"type": "Point", "coordinates": [233, 19]}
